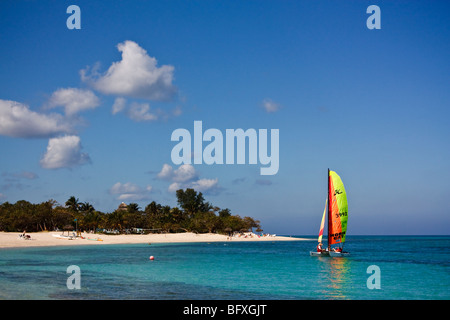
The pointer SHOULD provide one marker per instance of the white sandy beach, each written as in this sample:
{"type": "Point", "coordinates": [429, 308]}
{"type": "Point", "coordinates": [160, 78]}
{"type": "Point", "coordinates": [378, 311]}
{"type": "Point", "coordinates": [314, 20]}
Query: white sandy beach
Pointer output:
{"type": "Point", "coordinates": [43, 239]}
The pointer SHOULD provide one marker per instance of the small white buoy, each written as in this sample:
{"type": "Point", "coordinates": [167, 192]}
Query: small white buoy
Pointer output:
{"type": "Point", "coordinates": [152, 258]}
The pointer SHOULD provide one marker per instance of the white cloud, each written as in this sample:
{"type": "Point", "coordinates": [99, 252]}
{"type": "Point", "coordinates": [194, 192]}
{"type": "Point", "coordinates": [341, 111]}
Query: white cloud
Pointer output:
{"type": "Point", "coordinates": [124, 188]}
{"type": "Point", "coordinates": [73, 100]}
{"type": "Point", "coordinates": [129, 191]}
{"type": "Point", "coordinates": [136, 75]}
{"type": "Point", "coordinates": [141, 112]}
{"type": "Point", "coordinates": [270, 106]}
{"type": "Point", "coordinates": [166, 172]}
{"type": "Point", "coordinates": [119, 105]}
{"type": "Point", "coordinates": [18, 121]}
{"type": "Point", "coordinates": [205, 185]}
{"type": "Point", "coordinates": [186, 177]}
{"type": "Point", "coordinates": [131, 197]}
{"type": "Point", "coordinates": [184, 173]}
{"type": "Point", "coordinates": [64, 152]}
{"type": "Point", "coordinates": [174, 186]}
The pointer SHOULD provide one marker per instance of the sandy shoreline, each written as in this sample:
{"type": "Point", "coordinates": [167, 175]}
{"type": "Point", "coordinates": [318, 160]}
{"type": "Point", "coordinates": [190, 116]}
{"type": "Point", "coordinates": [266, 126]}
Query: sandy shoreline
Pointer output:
{"type": "Point", "coordinates": [46, 239]}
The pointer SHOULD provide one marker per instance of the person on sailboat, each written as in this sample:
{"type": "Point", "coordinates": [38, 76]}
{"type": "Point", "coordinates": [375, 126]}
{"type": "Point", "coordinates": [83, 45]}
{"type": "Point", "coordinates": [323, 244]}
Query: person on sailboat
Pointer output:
{"type": "Point", "coordinates": [319, 247]}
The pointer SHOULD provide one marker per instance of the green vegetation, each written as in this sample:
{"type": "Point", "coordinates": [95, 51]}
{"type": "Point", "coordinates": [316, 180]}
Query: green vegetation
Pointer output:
{"type": "Point", "coordinates": [192, 215]}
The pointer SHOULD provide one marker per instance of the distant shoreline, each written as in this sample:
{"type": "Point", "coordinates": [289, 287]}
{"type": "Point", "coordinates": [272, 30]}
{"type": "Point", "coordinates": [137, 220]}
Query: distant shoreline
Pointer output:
{"type": "Point", "coordinates": [50, 239]}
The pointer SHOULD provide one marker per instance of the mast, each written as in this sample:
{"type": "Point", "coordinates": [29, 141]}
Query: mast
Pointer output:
{"type": "Point", "coordinates": [329, 211]}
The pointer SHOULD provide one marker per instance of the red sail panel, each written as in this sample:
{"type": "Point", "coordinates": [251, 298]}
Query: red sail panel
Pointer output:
{"type": "Point", "coordinates": [334, 220]}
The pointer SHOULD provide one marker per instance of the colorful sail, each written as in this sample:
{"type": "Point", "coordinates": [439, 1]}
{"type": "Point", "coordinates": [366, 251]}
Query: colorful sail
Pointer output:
{"type": "Point", "coordinates": [322, 223]}
{"type": "Point", "coordinates": [338, 209]}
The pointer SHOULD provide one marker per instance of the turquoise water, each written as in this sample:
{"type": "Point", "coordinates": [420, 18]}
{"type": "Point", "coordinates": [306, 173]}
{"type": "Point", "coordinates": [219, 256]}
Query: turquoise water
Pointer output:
{"type": "Point", "coordinates": [410, 268]}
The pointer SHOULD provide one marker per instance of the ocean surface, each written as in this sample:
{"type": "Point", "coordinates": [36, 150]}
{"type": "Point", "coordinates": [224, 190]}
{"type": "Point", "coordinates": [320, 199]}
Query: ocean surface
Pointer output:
{"type": "Point", "coordinates": [406, 267]}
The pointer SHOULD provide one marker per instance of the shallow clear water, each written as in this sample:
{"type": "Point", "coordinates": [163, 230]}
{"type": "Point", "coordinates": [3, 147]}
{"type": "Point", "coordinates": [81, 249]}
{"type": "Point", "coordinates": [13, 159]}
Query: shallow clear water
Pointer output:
{"type": "Point", "coordinates": [410, 268]}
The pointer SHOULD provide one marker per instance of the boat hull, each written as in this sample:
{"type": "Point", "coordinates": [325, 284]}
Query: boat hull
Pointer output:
{"type": "Point", "coordinates": [329, 254]}
{"type": "Point", "coordinates": [63, 237]}
{"type": "Point", "coordinates": [319, 254]}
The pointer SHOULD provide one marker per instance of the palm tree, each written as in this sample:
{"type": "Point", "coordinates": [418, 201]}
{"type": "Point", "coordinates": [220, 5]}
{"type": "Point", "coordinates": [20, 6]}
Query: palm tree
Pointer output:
{"type": "Point", "coordinates": [116, 220]}
{"type": "Point", "coordinates": [73, 204]}
{"type": "Point", "coordinates": [92, 219]}
{"type": "Point", "coordinates": [133, 207]}
{"type": "Point", "coordinates": [86, 207]}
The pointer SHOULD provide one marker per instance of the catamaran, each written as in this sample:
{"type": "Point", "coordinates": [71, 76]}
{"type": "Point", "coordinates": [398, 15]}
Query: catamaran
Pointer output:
{"type": "Point", "coordinates": [337, 219]}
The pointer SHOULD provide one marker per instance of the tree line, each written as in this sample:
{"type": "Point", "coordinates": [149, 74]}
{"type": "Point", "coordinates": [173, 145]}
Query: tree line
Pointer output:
{"type": "Point", "coordinates": [193, 214]}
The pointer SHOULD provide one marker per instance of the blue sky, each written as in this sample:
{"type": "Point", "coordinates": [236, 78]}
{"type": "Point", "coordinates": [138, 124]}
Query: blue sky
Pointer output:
{"type": "Point", "coordinates": [78, 117]}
